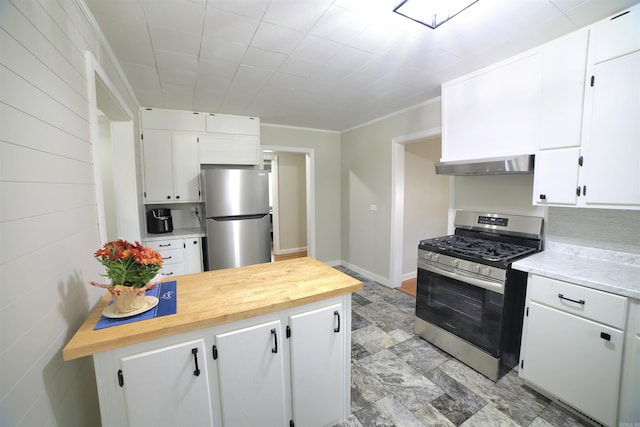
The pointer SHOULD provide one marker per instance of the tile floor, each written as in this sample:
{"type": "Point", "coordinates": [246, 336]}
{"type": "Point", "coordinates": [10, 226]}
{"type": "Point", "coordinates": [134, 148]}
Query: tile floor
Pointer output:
{"type": "Point", "coordinates": [398, 379]}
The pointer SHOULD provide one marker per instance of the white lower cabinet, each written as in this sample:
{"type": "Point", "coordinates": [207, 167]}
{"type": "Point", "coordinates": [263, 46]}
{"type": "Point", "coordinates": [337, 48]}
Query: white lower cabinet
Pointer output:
{"type": "Point", "coordinates": [291, 366]}
{"type": "Point", "coordinates": [317, 371]}
{"type": "Point", "coordinates": [251, 375]}
{"type": "Point", "coordinates": [167, 386]}
{"type": "Point", "coordinates": [179, 256]}
{"type": "Point", "coordinates": [572, 346]}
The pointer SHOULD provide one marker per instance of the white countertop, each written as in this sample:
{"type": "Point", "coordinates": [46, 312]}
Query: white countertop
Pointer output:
{"type": "Point", "coordinates": [609, 271]}
{"type": "Point", "coordinates": [177, 233]}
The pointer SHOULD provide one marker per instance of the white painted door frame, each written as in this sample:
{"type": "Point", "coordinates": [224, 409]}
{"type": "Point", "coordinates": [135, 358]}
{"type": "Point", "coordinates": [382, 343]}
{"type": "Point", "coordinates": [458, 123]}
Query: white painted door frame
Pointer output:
{"type": "Point", "coordinates": [310, 189]}
{"type": "Point", "coordinates": [123, 151]}
{"type": "Point", "coordinates": [397, 199]}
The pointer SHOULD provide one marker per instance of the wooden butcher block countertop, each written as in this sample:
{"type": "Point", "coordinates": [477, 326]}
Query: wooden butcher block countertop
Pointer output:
{"type": "Point", "coordinates": [217, 297]}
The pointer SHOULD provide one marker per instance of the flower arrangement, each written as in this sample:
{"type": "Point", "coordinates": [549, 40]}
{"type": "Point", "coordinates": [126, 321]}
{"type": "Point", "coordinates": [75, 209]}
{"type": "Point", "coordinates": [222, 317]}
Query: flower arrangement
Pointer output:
{"type": "Point", "coordinates": [132, 269]}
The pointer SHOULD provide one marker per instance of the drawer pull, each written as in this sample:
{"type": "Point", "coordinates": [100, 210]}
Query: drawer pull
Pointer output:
{"type": "Point", "coordinates": [164, 246]}
{"type": "Point", "coordinates": [169, 257]}
{"type": "Point", "coordinates": [581, 302]}
{"type": "Point", "coordinates": [605, 336]}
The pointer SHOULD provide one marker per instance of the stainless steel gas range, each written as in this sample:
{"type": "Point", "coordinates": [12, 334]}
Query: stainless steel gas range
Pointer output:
{"type": "Point", "coordinates": [469, 301]}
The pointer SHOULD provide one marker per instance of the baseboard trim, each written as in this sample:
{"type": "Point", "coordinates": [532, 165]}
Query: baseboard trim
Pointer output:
{"type": "Point", "coordinates": [368, 274]}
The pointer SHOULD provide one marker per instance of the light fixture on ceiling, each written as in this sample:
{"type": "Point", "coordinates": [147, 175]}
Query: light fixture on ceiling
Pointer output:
{"type": "Point", "coordinates": [431, 13]}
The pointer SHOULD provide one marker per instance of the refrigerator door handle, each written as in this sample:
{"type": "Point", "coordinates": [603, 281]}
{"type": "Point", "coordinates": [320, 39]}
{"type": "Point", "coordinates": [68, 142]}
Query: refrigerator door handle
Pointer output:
{"type": "Point", "coordinates": [237, 217]}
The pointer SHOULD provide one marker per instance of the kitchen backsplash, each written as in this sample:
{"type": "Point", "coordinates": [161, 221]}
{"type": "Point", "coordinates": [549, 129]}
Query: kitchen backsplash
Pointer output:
{"type": "Point", "coordinates": [615, 230]}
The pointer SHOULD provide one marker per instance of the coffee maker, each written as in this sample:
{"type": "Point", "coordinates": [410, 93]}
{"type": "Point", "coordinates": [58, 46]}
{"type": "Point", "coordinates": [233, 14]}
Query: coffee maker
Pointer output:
{"type": "Point", "coordinates": [159, 221]}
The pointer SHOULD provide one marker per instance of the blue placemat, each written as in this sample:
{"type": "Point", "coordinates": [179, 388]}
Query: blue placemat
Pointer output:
{"type": "Point", "coordinates": [166, 294]}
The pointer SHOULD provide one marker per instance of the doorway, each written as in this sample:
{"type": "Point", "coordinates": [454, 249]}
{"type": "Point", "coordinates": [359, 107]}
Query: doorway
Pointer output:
{"type": "Point", "coordinates": [292, 201]}
{"type": "Point", "coordinates": [398, 188]}
{"type": "Point", "coordinates": [112, 137]}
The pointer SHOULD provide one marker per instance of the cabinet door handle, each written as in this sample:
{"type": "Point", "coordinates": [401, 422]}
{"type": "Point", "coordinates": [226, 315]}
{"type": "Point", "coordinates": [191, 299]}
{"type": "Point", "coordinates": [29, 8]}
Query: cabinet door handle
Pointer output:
{"type": "Point", "coordinates": [337, 314]}
{"type": "Point", "coordinates": [605, 336]}
{"type": "Point", "coordinates": [169, 257]}
{"type": "Point", "coordinates": [581, 302]}
{"type": "Point", "coordinates": [543, 197]}
{"type": "Point", "coordinates": [274, 349]}
{"type": "Point", "coordinates": [196, 371]}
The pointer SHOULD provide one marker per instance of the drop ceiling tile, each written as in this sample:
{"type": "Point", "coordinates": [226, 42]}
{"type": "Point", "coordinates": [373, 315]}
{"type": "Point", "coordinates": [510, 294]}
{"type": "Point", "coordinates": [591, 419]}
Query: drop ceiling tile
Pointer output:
{"type": "Point", "coordinates": [175, 41]}
{"type": "Point", "coordinates": [252, 76]}
{"type": "Point", "coordinates": [263, 58]}
{"type": "Point", "coordinates": [288, 82]}
{"type": "Point", "coordinates": [176, 76]}
{"type": "Point", "coordinates": [299, 66]}
{"type": "Point", "coordinates": [148, 98]}
{"type": "Point", "coordinates": [296, 14]}
{"type": "Point", "coordinates": [224, 25]}
{"type": "Point", "coordinates": [250, 8]}
{"type": "Point", "coordinates": [340, 25]}
{"type": "Point", "coordinates": [129, 39]}
{"type": "Point", "coordinates": [216, 68]}
{"type": "Point", "coordinates": [144, 77]}
{"type": "Point", "coordinates": [350, 58]}
{"type": "Point", "coordinates": [317, 49]}
{"type": "Point", "coordinates": [120, 9]}
{"type": "Point", "coordinates": [181, 99]}
{"type": "Point", "coordinates": [173, 60]}
{"type": "Point", "coordinates": [178, 15]}
{"type": "Point", "coordinates": [223, 50]}
{"type": "Point", "coordinates": [275, 38]}
{"type": "Point", "coordinates": [177, 89]}
{"type": "Point", "coordinates": [377, 39]}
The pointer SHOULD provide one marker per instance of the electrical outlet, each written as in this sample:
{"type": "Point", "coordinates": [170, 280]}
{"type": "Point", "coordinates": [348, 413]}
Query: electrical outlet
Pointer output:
{"type": "Point", "coordinates": [194, 209]}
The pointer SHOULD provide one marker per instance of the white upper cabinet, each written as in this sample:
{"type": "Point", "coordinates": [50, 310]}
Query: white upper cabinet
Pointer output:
{"type": "Point", "coordinates": [608, 149]}
{"type": "Point", "coordinates": [171, 168]}
{"type": "Point", "coordinates": [230, 140]}
{"type": "Point", "coordinates": [612, 148]}
{"type": "Point", "coordinates": [157, 118]}
{"type": "Point", "coordinates": [556, 176]}
{"type": "Point", "coordinates": [226, 123]}
{"type": "Point", "coordinates": [616, 36]}
{"type": "Point", "coordinates": [564, 63]}
{"type": "Point", "coordinates": [493, 112]}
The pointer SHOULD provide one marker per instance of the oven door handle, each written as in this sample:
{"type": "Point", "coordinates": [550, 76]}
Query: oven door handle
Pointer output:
{"type": "Point", "coordinates": [497, 287]}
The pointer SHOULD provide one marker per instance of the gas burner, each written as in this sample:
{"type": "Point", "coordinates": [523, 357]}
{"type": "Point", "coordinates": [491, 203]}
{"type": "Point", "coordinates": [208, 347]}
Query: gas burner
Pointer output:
{"type": "Point", "coordinates": [476, 248]}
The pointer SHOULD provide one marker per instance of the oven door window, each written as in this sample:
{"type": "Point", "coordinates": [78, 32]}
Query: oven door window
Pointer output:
{"type": "Point", "coordinates": [469, 312]}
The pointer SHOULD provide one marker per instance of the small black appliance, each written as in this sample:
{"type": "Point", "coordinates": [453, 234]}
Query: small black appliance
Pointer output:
{"type": "Point", "coordinates": [159, 221]}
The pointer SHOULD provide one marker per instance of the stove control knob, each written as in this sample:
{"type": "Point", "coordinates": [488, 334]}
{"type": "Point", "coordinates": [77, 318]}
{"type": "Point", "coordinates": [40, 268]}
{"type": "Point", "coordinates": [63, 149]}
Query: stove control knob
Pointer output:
{"type": "Point", "coordinates": [427, 255]}
{"type": "Point", "coordinates": [436, 257]}
{"type": "Point", "coordinates": [455, 263]}
{"type": "Point", "coordinates": [487, 271]}
{"type": "Point", "coordinates": [476, 268]}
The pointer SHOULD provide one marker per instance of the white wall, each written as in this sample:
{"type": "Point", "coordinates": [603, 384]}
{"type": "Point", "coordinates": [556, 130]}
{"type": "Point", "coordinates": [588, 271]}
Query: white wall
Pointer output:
{"type": "Point", "coordinates": [426, 200]}
{"type": "Point", "coordinates": [326, 146]}
{"type": "Point", "coordinates": [48, 214]}
{"type": "Point", "coordinates": [366, 180]}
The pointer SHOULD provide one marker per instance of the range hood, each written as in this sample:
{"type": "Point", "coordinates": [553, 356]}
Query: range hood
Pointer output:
{"type": "Point", "coordinates": [493, 166]}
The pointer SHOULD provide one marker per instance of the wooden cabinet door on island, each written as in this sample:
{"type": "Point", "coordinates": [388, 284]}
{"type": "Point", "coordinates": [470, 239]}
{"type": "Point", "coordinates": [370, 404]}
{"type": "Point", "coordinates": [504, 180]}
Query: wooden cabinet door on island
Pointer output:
{"type": "Point", "coordinates": [251, 375]}
{"type": "Point", "coordinates": [167, 386]}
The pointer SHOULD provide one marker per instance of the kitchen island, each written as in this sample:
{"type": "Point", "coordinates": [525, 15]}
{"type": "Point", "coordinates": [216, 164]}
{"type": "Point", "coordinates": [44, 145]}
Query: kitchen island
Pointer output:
{"type": "Point", "coordinates": [258, 345]}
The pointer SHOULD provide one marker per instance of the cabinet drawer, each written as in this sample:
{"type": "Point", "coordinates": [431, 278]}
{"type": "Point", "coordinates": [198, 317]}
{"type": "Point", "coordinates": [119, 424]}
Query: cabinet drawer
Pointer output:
{"type": "Point", "coordinates": [172, 256]}
{"type": "Point", "coordinates": [172, 270]}
{"type": "Point", "coordinates": [162, 245]}
{"type": "Point", "coordinates": [596, 305]}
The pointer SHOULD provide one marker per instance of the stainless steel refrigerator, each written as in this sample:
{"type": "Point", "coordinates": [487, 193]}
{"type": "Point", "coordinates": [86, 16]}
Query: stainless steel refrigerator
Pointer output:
{"type": "Point", "coordinates": [237, 215]}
